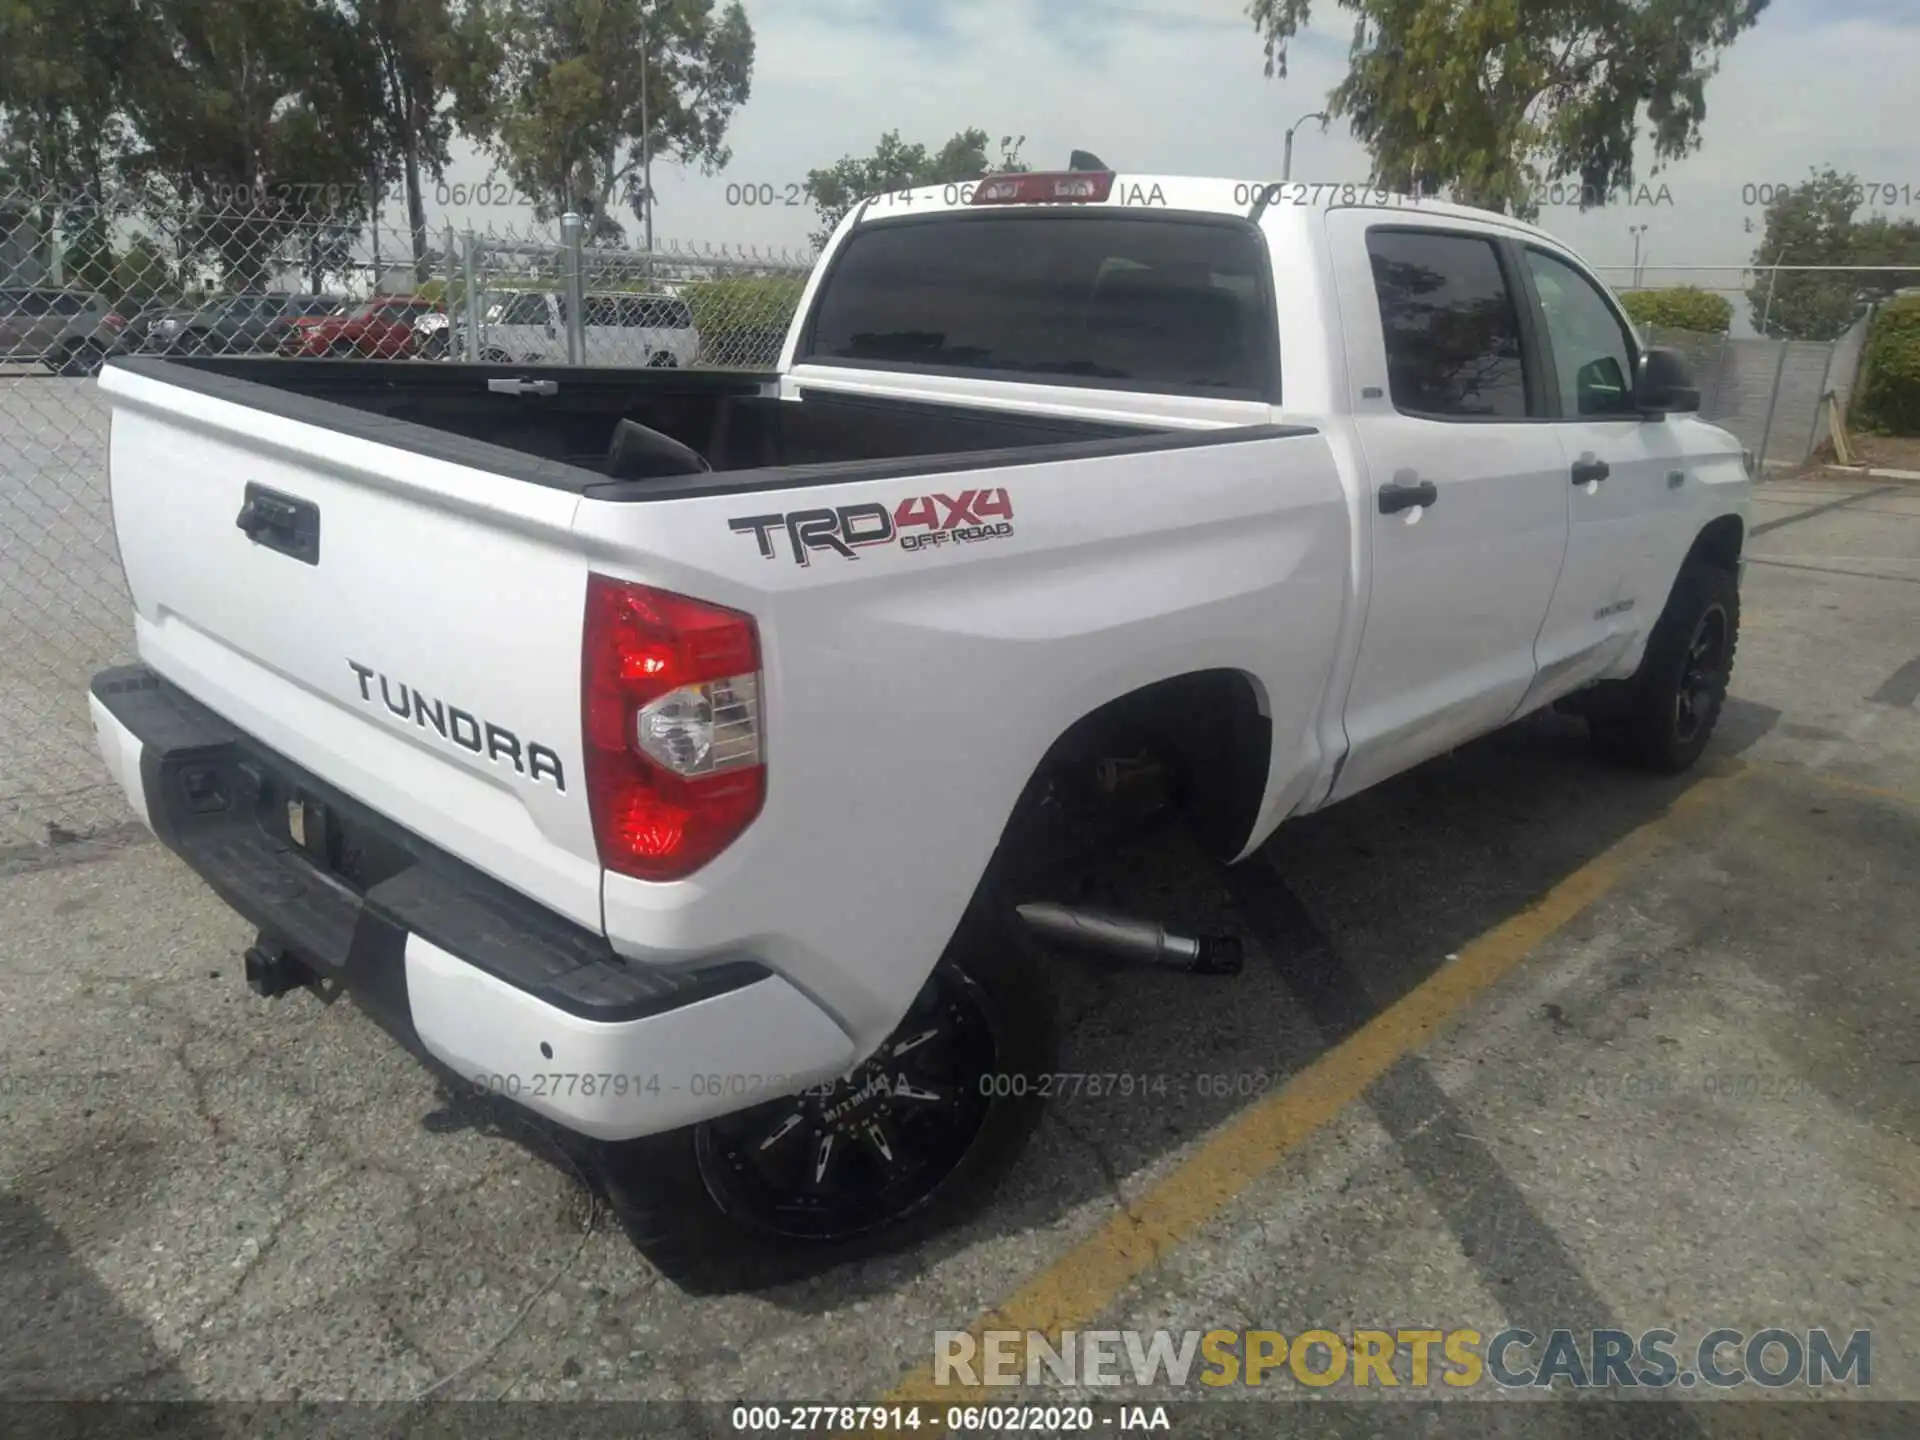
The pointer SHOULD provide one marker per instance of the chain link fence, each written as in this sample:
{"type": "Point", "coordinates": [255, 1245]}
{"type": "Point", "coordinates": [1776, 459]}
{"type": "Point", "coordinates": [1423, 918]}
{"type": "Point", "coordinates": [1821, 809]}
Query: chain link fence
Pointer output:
{"type": "Point", "coordinates": [1773, 394]}
{"type": "Point", "coordinates": [291, 275]}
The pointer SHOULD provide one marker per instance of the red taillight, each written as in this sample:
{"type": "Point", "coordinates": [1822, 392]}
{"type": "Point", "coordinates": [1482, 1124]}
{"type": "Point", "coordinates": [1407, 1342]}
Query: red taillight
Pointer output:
{"type": "Point", "coordinates": [1071, 187]}
{"type": "Point", "coordinates": [113, 320]}
{"type": "Point", "coordinates": [671, 726]}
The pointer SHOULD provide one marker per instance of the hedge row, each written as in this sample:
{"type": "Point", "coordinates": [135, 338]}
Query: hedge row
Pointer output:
{"type": "Point", "coordinates": [1889, 397]}
{"type": "Point", "coordinates": [1680, 307]}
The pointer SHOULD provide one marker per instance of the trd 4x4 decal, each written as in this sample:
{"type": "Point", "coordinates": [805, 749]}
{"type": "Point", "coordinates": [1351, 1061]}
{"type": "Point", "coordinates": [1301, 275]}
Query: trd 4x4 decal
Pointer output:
{"type": "Point", "coordinates": [921, 522]}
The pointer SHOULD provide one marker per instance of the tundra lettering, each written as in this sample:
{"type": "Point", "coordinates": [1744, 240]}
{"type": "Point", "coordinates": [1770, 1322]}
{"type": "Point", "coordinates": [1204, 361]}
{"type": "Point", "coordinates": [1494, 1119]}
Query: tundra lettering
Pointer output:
{"type": "Point", "coordinates": [496, 742]}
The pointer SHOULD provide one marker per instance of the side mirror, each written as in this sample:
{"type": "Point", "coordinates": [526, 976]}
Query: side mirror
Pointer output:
{"type": "Point", "coordinates": [1665, 386]}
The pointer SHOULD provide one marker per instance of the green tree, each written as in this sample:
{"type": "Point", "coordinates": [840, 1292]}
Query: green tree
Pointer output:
{"type": "Point", "coordinates": [86, 239]}
{"type": "Point", "coordinates": [61, 134]}
{"type": "Point", "coordinates": [1491, 99]}
{"type": "Point", "coordinates": [251, 120]}
{"type": "Point", "coordinates": [570, 96]}
{"type": "Point", "coordinates": [60, 94]}
{"type": "Point", "coordinates": [419, 53]}
{"type": "Point", "coordinates": [896, 166]}
{"type": "Point", "coordinates": [1680, 307]}
{"type": "Point", "coordinates": [142, 271]}
{"type": "Point", "coordinates": [1813, 224]}
{"type": "Point", "coordinates": [1883, 241]}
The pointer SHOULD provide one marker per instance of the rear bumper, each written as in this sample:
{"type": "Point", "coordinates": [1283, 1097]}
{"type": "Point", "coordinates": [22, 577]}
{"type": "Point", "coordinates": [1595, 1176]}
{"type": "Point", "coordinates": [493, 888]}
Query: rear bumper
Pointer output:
{"type": "Point", "coordinates": [514, 998]}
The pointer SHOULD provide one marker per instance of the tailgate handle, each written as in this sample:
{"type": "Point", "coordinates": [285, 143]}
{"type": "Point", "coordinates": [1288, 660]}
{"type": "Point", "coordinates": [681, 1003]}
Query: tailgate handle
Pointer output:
{"type": "Point", "coordinates": [281, 522]}
{"type": "Point", "coordinates": [524, 387]}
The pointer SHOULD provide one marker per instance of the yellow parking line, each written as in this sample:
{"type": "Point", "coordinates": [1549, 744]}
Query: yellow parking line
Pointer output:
{"type": "Point", "coordinates": [1078, 1286]}
{"type": "Point", "coordinates": [1899, 797]}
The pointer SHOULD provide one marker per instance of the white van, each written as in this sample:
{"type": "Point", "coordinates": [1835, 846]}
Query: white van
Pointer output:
{"type": "Point", "coordinates": [530, 327]}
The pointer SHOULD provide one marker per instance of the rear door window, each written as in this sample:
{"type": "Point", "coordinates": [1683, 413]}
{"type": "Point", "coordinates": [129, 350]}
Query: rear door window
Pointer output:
{"type": "Point", "coordinates": [1155, 303]}
{"type": "Point", "coordinates": [1452, 328]}
{"type": "Point", "coordinates": [524, 310]}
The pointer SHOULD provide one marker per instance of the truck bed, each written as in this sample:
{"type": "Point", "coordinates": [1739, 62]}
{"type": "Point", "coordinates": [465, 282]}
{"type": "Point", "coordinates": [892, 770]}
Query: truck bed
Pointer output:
{"type": "Point", "coordinates": [564, 419]}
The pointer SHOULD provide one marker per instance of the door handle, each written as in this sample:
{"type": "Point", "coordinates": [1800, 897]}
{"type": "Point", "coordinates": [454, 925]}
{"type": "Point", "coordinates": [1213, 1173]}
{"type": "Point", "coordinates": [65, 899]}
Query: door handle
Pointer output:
{"type": "Point", "coordinates": [1396, 496]}
{"type": "Point", "coordinates": [1587, 470]}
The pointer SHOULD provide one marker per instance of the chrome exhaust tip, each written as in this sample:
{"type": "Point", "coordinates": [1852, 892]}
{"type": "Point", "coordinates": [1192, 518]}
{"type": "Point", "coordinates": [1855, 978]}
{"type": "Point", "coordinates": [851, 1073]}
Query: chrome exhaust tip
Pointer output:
{"type": "Point", "coordinates": [1127, 938]}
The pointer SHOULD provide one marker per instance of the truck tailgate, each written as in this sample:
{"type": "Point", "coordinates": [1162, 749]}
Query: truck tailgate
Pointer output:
{"type": "Point", "coordinates": [407, 627]}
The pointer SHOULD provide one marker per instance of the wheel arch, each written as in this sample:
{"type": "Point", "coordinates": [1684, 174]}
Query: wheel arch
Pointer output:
{"type": "Point", "coordinates": [1720, 542]}
{"type": "Point", "coordinates": [1211, 728]}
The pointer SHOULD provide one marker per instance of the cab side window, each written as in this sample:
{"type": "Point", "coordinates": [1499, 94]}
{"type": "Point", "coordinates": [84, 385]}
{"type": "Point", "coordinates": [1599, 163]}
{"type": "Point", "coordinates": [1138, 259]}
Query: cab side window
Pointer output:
{"type": "Point", "coordinates": [1593, 351]}
{"type": "Point", "coordinates": [1451, 325]}
{"type": "Point", "coordinates": [525, 310]}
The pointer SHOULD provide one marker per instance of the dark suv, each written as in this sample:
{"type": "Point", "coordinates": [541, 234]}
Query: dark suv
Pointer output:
{"type": "Point", "coordinates": [245, 324]}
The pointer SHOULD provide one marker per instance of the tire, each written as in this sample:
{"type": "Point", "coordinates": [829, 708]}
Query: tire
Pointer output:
{"type": "Point", "coordinates": [495, 357]}
{"type": "Point", "coordinates": [712, 1215]}
{"type": "Point", "coordinates": [1664, 716]}
{"type": "Point", "coordinates": [80, 358]}
{"type": "Point", "coordinates": [341, 350]}
{"type": "Point", "coordinates": [662, 360]}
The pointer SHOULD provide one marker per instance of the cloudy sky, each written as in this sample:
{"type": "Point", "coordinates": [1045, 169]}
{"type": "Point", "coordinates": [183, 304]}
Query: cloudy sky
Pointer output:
{"type": "Point", "coordinates": [1177, 86]}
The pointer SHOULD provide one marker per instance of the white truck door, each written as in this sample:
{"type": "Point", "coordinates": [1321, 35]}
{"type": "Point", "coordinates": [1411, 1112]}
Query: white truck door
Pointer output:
{"type": "Point", "coordinates": [1619, 470]}
{"type": "Point", "coordinates": [1468, 489]}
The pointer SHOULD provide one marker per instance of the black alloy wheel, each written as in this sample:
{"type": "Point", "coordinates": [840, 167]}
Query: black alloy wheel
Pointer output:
{"type": "Point", "coordinates": [867, 1150]}
{"type": "Point", "coordinates": [1703, 680]}
{"type": "Point", "coordinates": [912, 1140]}
{"type": "Point", "coordinates": [1662, 719]}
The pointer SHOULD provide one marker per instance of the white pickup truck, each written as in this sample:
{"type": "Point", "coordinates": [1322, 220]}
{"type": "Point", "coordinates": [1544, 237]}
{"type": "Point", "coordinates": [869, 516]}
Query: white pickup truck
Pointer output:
{"type": "Point", "coordinates": [654, 748]}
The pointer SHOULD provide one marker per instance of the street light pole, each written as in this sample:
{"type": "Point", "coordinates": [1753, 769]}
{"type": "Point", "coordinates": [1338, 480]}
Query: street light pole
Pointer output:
{"type": "Point", "coordinates": [1286, 164]}
{"type": "Point", "coordinates": [1773, 279]}
{"type": "Point", "coordinates": [646, 143]}
{"type": "Point", "coordinates": [1636, 231]}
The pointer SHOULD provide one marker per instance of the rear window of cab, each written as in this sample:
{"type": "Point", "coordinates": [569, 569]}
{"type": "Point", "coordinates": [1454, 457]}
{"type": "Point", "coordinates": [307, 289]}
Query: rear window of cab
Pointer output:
{"type": "Point", "coordinates": [1082, 298]}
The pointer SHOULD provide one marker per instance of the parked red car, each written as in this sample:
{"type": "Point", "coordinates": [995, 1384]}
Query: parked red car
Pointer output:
{"type": "Point", "coordinates": [381, 329]}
